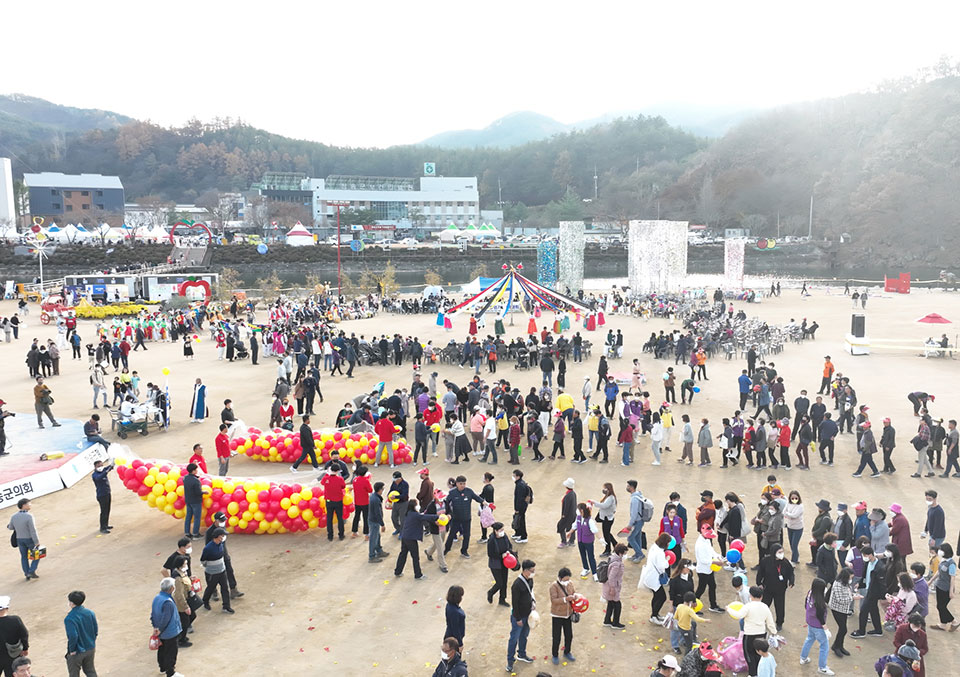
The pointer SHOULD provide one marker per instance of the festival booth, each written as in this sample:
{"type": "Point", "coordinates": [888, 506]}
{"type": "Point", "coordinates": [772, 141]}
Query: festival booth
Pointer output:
{"type": "Point", "coordinates": [298, 236]}
{"type": "Point", "coordinates": [897, 285]}
{"type": "Point", "coordinates": [102, 288]}
{"type": "Point", "coordinates": [487, 231]}
{"type": "Point", "coordinates": [448, 234]}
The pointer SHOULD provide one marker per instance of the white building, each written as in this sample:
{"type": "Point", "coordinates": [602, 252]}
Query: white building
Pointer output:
{"type": "Point", "coordinates": [438, 202]}
{"type": "Point", "coordinates": [8, 212]}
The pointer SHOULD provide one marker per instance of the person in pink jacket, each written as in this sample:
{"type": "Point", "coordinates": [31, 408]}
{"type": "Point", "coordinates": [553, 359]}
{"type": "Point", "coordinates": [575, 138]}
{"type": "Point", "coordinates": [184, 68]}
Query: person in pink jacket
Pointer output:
{"type": "Point", "coordinates": [900, 530]}
{"type": "Point", "coordinates": [612, 586]}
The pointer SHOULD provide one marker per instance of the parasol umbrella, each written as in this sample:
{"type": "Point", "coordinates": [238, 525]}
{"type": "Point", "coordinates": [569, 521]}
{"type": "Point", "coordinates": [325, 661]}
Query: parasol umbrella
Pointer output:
{"type": "Point", "coordinates": [934, 318]}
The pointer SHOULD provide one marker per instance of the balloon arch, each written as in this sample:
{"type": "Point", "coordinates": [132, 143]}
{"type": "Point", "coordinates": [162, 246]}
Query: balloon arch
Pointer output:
{"type": "Point", "coordinates": [191, 225]}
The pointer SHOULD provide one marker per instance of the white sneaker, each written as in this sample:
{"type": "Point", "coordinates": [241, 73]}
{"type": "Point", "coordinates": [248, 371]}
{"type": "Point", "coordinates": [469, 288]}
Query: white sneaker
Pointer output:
{"type": "Point", "coordinates": [655, 463]}
{"type": "Point", "coordinates": [585, 572]}
{"type": "Point", "coordinates": [804, 661]}
{"type": "Point", "coordinates": [178, 674]}
{"type": "Point", "coordinates": [292, 469]}
{"type": "Point", "coordinates": [826, 671]}
{"type": "Point", "coordinates": [596, 579]}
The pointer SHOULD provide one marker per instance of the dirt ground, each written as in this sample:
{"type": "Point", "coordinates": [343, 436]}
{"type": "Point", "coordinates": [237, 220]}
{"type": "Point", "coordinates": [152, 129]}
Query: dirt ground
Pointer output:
{"type": "Point", "coordinates": [313, 608]}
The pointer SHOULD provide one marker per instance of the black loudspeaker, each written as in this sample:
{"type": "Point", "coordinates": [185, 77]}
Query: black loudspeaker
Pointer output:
{"type": "Point", "coordinates": [858, 325]}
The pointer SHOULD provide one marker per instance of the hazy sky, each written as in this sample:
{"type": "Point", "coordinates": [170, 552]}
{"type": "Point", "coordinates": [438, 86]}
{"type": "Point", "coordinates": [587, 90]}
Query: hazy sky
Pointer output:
{"type": "Point", "coordinates": [380, 73]}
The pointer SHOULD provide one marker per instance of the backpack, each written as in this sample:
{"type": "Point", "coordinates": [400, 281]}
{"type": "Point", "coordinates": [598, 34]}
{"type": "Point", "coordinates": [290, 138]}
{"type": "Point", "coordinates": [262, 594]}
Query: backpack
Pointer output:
{"type": "Point", "coordinates": [602, 570]}
{"type": "Point", "coordinates": [646, 509]}
{"type": "Point", "coordinates": [529, 495]}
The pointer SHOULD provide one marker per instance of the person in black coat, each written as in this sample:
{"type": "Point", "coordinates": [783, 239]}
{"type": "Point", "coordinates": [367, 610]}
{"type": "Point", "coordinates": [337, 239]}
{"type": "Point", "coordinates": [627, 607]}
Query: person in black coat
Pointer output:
{"type": "Point", "coordinates": [306, 446]}
{"type": "Point", "coordinates": [254, 348]}
{"type": "Point", "coordinates": [521, 499]}
{"type": "Point", "coordinates": [497, 545]}
{"type": "Point", "coordinates": [827, 559]}
{"type": "Point", "coordinates": [876, 589]}
{"type": "Point", "coordinates": [411, 534]}
{"type": "Point", "coordinates": [775, 574]}
{"type": "Point", "coordinates": [458, 507]}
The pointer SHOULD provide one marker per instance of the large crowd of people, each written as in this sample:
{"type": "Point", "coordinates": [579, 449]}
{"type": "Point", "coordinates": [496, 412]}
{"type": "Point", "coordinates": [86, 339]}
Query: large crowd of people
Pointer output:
{"type": "Point", "coordinates": [724, 551]}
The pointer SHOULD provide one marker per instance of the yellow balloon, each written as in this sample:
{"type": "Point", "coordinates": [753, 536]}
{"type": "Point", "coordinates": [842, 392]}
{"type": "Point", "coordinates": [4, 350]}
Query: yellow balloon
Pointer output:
{"type": "Point", "coordinates": [228, 487]}
{"type": "Point", "coordinates": [715, 567]}
{"type": "Point", "coordinates": [170, 485]}
{"type": "Point", "coordinates": [157, 489]}
{"type": "Point", "coordinates": [314, 523]}
{"type": "Point", "coordinates": [307, 514]}
{"type": "Point", "coordinates": [152, 500]}
{"type": "Point", "coordinates": [260, 530]}
{"type": "Point", "coordinates": [165, 371]}
{"type": "Point", "coordinates": [218, 483]}
{"type": "Point", "coordinates": [287, 442]}
{"type": "Point", "coordinates": [348, 499]}
{"type": "Point", "coordinates": [273, 451]}
{"type": "Point", "coordinates": [258, 516]}
{"type": "Point", "coordinates": [281, 529]}
{"type": "Point", "coordinates": [243, 524]}
{"type": "Point", "coordinates": [247, 515]}
{"type": "Point", "coordinates": [253, 507]}
{"type": "Point", "coordinates": [306, 494]}
{"type": "Point", "coordinates": [284, 502]}
{"type": "Point", "coordinates": [145, 497]}
{"type": "Point", "coordinates": [698, 607]}
{"type": "Point", "coordinates": [364, 458]}
{"type": "Point", "coordinates": [396, 445]}
{"type": "Point", "coordinates": [251, 496]}
{"type": "Point", "coordinates": [154, 471]}
{"type": "Point", "coordinates": [168, 508]}
{"type": "Point", "coordinates": [232, 521]}
{"type": "Point", "coordinates": [207, 502]}
{"type": "Point", "coordinates": [179, 490]}
{"type": "Point", "coordinates": [161, 477]}
{"type": "Point", "coordinates": [179, 514]}
{"type": "Point", "coordinates": [248, 485]}
{"type": "Point", "coordinates": [149, 480]}
{"type": "Point", "coordinates": [233, 507]}
{"type": "Point", "coordinates": [293, 511]}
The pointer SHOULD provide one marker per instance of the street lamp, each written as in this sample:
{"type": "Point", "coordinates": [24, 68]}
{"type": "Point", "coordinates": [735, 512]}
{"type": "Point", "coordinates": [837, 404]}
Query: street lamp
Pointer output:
{"type": "Point", "coordinates": [338, 204]}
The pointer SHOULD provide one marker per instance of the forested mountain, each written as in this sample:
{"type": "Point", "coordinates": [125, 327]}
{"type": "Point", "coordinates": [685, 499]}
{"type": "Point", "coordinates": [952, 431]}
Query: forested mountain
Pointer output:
{"type": "Point", "coordinates": [181, 163]}
{"type": "Point", "coordinates": [882, 166]}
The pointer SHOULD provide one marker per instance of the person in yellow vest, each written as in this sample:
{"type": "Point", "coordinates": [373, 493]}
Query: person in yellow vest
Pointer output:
{"type": "Point", "coordinates": [593, 426]}
{"type": "Point", "coordinates": [666, 420]}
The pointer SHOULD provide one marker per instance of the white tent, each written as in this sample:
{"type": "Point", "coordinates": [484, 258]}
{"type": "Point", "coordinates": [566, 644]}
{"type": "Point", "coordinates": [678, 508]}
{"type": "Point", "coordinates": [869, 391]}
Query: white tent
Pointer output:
{"type": "Point", "coordinates": [298, 236]}
{"type": "Point", "coordinates": [76, 233]}
{"type": "Point", "coordinates": [114, 234]}
{"type": "Point", "coordinates": [9, 233]}
{"type": "Point", "coordinates": [158, 233]}
{"type": "Point", "coordinates": [472, 231]}
{"type": "Point", "coordinates": [486, 230]}
{"type": "Point", "coordinates": [448, 234]}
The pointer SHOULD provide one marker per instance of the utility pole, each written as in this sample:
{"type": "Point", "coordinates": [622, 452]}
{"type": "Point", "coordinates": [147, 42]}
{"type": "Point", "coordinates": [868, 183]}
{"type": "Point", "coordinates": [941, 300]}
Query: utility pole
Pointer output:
{"type": "Point", "coordinates": [338, 204]}
{"type": "Point", "coordinates": [594, 182]}
{"type": "Point", "coordinates": [499, 193]}
{"type": "Point", "coordinates": [810, 227]}
{"type": "Point", "coordinates": [778, 224]}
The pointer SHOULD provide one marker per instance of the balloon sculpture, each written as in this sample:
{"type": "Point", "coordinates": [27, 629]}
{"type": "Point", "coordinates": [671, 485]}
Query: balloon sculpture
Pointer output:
{"type": "Point", "coordinates": [251, 506]}
{"type": "Point", "coordinates": [579, 603]}
{"type": "Point", "coordinates": [282, 446]}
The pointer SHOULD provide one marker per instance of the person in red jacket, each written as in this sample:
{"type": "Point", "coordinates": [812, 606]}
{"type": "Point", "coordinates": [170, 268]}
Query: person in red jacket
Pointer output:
{"type": "Point", "coordinates": [198, 458]}
{"type": "Point", "coordinates": [513, 438]}
{"type": "Point", "coordinates": [431, 415]}
{"type": "Point", "coordinates": [783, 439]}
{"type": "Point", "coordinates": [361, 501]}
{"type": "Point", "coordinates": [384, 429]}
{"type": "Point", "coordinates": [333, 487]}
{"type": "Point", "coordinates": [223, 451]}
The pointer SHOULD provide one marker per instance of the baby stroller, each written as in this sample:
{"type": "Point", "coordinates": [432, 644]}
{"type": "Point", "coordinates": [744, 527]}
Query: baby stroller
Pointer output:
{"type": "Point", "coordinates": [240, 351]}
{"type": "Point", "coordinates": [522, 362]}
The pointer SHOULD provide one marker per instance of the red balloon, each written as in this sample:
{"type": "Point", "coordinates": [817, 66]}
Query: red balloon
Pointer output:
{"type": "Point", "coordinates": [509, 560]}
{"type": "Point", "coordinates": [338, 436]}
{"type": "Point", "coordinates": [143, 490]}
{"type": "Point", "coordinates": [314, 503]}
{"type": "Point", "coordinates": [269, 516]}
{"type": "Point", "coordinates": [216, 495]}
{"type": "Point", "coordinates": [738, 545]}
{"type": "Point", "coordinates": [136, 463]}
{"type": "Point", "coordinates": [165, 468]}
{"type": "Point", "coordinates": [671, 557]}
{"type": "Point", "coordinates": [141, 473]}
{"type": "Point", "coordinates": [276, 494]}
{"type": "Point", "coordinates": [295, 489]}
{"type": "Point", "coordinates": [263, 496]}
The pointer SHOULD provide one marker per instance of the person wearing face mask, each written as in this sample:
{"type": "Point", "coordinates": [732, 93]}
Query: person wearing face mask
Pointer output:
{"type": "Point", "coordinates": [793, 520]}
{"type": "Point", "coordinates": [612, 588]}
{"type": "Point", "coordinates": [775, 574]}
{"type": "Point", "coordinates": [706, 556]}
{"type": "Point", "coordinates": [935, 526]}
{"type": "Point", "coordinates": [681, 582]}
{"type": "Point", "coordinates": [411, 534]}
{"type": "Point", "coordinates": [879, 531]}
{"type": "Point", "coordinates": [215, 569]}
{"type": "Point", "coordinates": [843, 528]}
{"type": "Point", "coordinates": [524, 606]}
{"type": "Point", "coordinates": [184, 548]}
{"type": "Point", "coordinates": [945, 586]}
{"type": "Point", "coordinates": [497, 546]}
{"type": "Point", "coordinates": [451, 663]}
{"type": "Point", "coordinates": [772, 534]}
{"type": "Point", "coordinates": [874, 590]}
{"type": "Point", "coordinates": [562, 593]}
{"type": "Point", "coordinates": [183, 596]}
{"type": "Point", "coordinates": [841, 606]}
{"type": "Point", "coordinates": [220, 522]}
{"type": "Point", "coordinates": [827, 558]}
{"type": "Point", "coordinates": [821, 525]}
{"type": "Point", "coordinates": [913, 630]}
